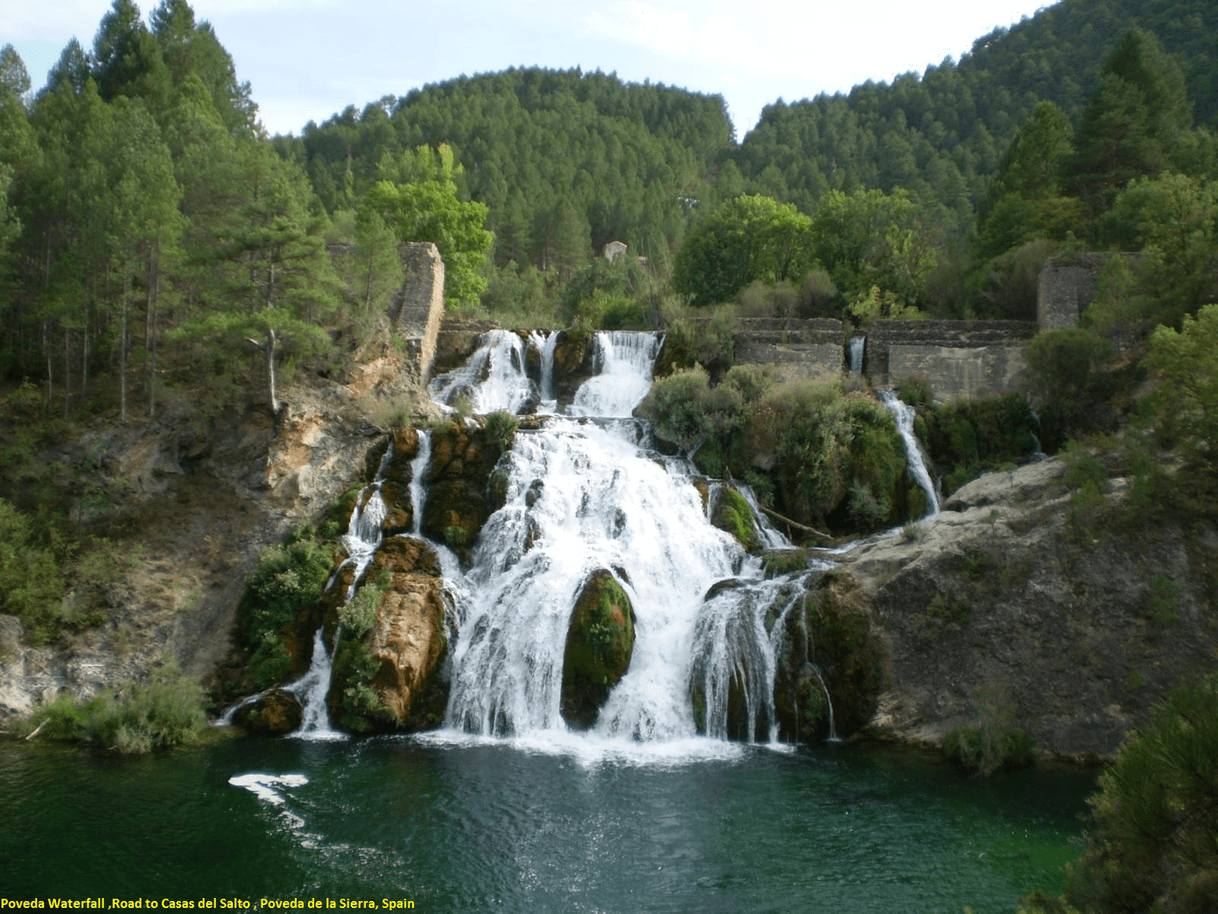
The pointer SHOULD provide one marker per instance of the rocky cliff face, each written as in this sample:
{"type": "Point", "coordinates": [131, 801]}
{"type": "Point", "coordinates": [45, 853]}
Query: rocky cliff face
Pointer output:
{"type": "Point", "coordinates": [192, 503]}
{"type": "Point", "coordinates": [1001, 599]}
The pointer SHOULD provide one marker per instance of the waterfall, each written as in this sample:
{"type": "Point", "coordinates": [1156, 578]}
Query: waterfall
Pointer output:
{"type": "Point", "coordinates": [418, 492]}
{"type": "Point", "coordinates": [312, 688]}
{"type": "Point", "coordinates": [585, 494]}
{"type": "Point", "coordinates": [362, 539]}
{"type": "Point", "coordinates": [857, 346]}
{"type": "Point", "coordinates": [546, 344]}
{"type": "Point", "coordinates": [905, 416]}
{"type": "Point", "coordinates": [625, 361]}
{"type": "Point", "coordinates": [494, 379]}
{"type": "Point", "coordinates": [584, 497]}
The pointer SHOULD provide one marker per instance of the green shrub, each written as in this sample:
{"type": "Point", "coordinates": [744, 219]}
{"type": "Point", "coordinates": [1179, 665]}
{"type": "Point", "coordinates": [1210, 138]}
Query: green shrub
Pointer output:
{"type": "Point", "coordinates": [288, 580]}
{"type": "Point", "coordinates": [984, 751]}
{"type": "Point", "coordinates": [164, 711]}
{"type": "Point", "coordinates": [916, 391]}
{"type": "Point", "coordinates": [1151, 843]}
{"type": "Point", "coordinates": [1065, 366]}
{"type": "Point", "coordinates": [501, 429]}
{"type": "Point", "coordinates": [456, 536]}
{"type": "Point", "coordinates": [995, 743]}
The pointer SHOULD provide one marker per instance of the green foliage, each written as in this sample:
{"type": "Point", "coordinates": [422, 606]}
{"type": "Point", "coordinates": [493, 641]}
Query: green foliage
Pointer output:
{"type": "Point", "coordinates": [289, 579]}
{"type": "Point", "coordinates": [1163, 600]}
{"type": "Point", "coordinates": [1067, 378]}
{"type": "Point", "coordinates": [700, 338]}
{"type": "Point", "coordinates": [995, 743]}
{"type": "Point", "coordinates": [916, 391]}
{"type": "Point", "coordinates": [876, 250]}
{"type": "Point", "coordinates": [501, 429]}
{"type": "Point", "coordinates": [426, 206]}
{"type": "Point", "coordinates": [1133, 123]}
{"type": "Point", "coordinates": [1087, 479]}
{"type": "Point", "coordinates": [942, 611]}
{"type": "Point", "coordinates": [164, 711]}
{"type": "Point", "coordinates": [358, 615]}
{"type": "Point", "coordinates": [745, 239]}
{"type": "Point", "coordinates": [31, 583]}
{"type": "Point", "coordinates": [1150, 845]}
{"type": "Point", "coordinates": [967, 438]}
{"type": "Point", "coordinates": [456, 536]}
{"type": "Point", "coordinates": [359, 707]}
{"type": "Point", "coordinates": [1186, 362]}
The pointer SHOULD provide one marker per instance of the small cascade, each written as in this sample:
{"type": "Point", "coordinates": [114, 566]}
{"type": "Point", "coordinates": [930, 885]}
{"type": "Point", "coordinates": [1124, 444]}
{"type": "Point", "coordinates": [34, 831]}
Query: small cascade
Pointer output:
{"type": "Point", "coordinates": [494, 379]}
{"type": "Point", "coordinates": [1038, 453]}
{"type": "Point", "coordinates": [418, 492]}
{"type": "Point", "coordinates": [362, 539]}
{"type": "Point", "coordinates": [546, 344]}
{"type": "Point", "coordinates": [857, 347]}
{"type": "Point", "coordinates": [312, 688]}
{"type": "Point", "coordinates": [905, 416]}
{"type": "Point", "coordinates": [733, 650]}
{"type": "Point", "coordinates": [625, 361]}
{"type": "Point", "coordinates": [833, 737]}
{"type": "Point", "coordinates": [771, 538]}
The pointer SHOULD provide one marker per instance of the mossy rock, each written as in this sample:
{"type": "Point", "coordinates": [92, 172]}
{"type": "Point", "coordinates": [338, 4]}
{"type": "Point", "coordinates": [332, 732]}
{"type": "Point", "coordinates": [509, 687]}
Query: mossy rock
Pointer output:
{"type": "Point", "coordinates": [600, 642]}
{"type": "Point", "coordinates": [831, 644]}
{"type": "Point", "coordinates": [392, 678]}
{"type": "Point", "coordinates": [733, 515]}
{"type": "Point", "coordinates": [274, 714]}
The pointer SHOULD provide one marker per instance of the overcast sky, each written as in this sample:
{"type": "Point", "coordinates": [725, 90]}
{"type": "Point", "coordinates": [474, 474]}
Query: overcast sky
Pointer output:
{"type": "Point", "coordinates": [308, 59]}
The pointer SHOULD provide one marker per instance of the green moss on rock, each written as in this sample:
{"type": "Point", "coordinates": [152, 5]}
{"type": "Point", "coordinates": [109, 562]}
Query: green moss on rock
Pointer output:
{"type": "Point", "coordinates": [600, 641]}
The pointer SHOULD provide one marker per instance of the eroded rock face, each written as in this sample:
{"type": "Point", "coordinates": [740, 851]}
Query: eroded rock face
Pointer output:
{"type": "Point", "coordinates": [409, 640]}
{"type": "Point", "coordinates": [457, 475]}
{"type": "Point", "coordinates": [274, 714]}
{"type": "Point", "coordinates": [1081, 629]}
{"type": "Point", "coordinates": [830, 644]}
{"type": "Point", "coordinates": [573, 363]}
{"type": "Point", "coordinates": [600, 641]}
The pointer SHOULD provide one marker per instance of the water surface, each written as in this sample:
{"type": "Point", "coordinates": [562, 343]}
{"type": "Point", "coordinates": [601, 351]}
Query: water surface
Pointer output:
{"type": "Point", "coordinates": [464, 824]}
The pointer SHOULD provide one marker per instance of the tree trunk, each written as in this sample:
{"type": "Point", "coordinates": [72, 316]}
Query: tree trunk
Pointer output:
{"type": "Point", "coordinates": [122, 355]}
{"type": "Point", "coordinates": [269, 349]}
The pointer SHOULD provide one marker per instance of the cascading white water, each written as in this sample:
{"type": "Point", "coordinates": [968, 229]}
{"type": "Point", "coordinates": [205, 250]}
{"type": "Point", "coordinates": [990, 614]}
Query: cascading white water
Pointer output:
{"type": "Point", "coordinates": [905, 416]}
{"type": "Point", "coordinates": [585, 497]}
{"type": "Point", "coordinates": [494, 378]}
{"type": "Point", "coordinates": [362, 539]}
{"type": "Point", "coordinates": [857, 347]}
{"type": "Point", "coordinates": [625, 361]}
{"type": "Point", "coordinates": [418, 491]}
{"type": "Point", "coordinates": [602, 504]}
{"type": "Point", "coordinates": [545, 345]}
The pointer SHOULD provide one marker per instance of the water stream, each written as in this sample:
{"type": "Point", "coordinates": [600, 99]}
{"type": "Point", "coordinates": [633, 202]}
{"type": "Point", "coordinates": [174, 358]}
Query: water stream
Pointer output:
{"type": "Point", "coordinates": [586, 495]}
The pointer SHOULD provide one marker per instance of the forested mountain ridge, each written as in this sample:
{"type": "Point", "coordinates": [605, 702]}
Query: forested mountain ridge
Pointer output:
{"type": "Point", "coordinates": [565, 161]}
{"type": "Point", "coordinates": [940, 134]}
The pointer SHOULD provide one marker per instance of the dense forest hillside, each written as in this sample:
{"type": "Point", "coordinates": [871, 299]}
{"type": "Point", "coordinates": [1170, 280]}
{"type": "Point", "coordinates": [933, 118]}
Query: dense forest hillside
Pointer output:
{"type": "Point", "coordinates": [940, 134]}
{"type": "Point", "coordinates": [565, 161]}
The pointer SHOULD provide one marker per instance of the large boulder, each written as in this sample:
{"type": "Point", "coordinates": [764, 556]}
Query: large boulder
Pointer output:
{"type": "Point", "coordinates": [273, 714]}
{"type": "Point", "coordinates": [574, 363]}
{"type": "Point", "coordinates": [600, 641]}
{"type": "Point", "coordinates": [832, 661]}
{"type": "Point", "coordinates": [391, 677]}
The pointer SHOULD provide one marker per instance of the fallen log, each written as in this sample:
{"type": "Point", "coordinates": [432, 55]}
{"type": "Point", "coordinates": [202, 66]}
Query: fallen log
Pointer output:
{"type": "Point", "coordinates": [794, 523]}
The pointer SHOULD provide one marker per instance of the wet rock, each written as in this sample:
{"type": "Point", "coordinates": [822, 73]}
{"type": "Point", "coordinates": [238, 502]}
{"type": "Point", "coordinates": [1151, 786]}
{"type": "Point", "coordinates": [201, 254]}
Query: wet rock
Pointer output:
{"type": "Point", "coordinates": [830, 645]}
{"type": "Point", "coordinates": [274, 714]}
{"type": "Point", "coordinates": [600, 641]}
{"type": "Point", "coordinates": [574, 363]}
{"type": "Point", "coordinates": [409, 640]}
